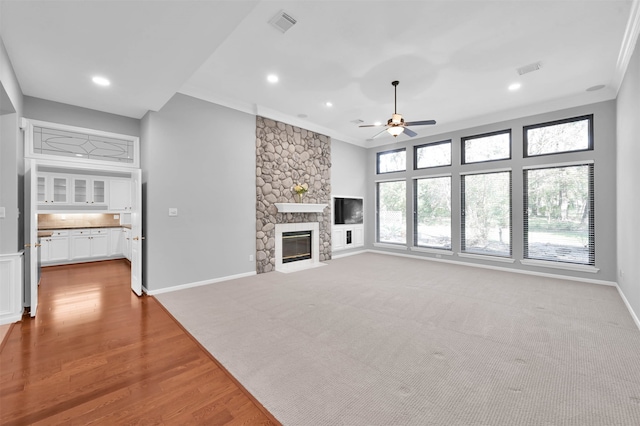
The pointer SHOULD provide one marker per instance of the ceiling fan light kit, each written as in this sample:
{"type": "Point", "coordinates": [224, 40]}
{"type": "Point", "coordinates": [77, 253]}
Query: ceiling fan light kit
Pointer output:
{"type": "Point", "coordinates": [396, 124]}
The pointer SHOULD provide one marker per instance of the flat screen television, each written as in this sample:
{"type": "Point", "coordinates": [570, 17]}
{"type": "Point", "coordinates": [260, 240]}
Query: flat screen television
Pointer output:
{"type": "Point", "coordinates": [347, 211]}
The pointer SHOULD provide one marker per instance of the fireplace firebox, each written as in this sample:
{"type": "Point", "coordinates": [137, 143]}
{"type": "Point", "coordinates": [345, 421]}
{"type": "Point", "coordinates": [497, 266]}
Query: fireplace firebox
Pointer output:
{"type": "Point", "coordinates": [296, 246]}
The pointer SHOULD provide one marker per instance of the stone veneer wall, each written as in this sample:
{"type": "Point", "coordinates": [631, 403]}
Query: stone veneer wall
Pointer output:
{"type": "Point", "coordinates": [287, 155]}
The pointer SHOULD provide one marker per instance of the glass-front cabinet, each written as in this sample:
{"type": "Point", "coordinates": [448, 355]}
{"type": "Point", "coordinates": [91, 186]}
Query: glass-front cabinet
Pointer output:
{"type": "Point", "coordinates": [89, 190]}
{"type": "Point", "coordinates": [53, 189]}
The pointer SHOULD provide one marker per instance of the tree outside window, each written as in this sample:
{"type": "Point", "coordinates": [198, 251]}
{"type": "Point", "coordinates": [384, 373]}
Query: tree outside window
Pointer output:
{"type": "Point", "coordinates": [392, 212]}
{"type": "Point", "coordinates": [486, 213]}
{"type": "Point", "coordinates": [433, 212]}
{"type": "Point", "coordinates": [559, 214]}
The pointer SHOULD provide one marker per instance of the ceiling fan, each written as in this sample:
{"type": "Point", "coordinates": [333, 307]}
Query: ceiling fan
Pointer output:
{"type": "Point", "coordinates": [396, 124]}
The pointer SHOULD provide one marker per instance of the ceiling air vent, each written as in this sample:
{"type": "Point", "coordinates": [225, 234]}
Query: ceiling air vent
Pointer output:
{"type": "Point", "coordinates": [282, 21]}
{"type": "Point", "coordinates": [529, 68]}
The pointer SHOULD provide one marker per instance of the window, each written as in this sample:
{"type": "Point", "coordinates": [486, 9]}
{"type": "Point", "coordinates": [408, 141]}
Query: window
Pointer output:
{"type": "Point", "coordinates": [392, 161]}
{"type": "Point", "coordinates": [432, 155]}
{"type": "Point", "coordinates": [392, 212]}
{"type": "Point", "coordinates": [559, 220]}
{"type": "Point", "coordinates": [433, 212]}
{"type": "Point", "coordinates": [574, 134]}
{"type": "Point", "coordinates": [486, 147]}
{"type": "Point", "coordinates": [486, 213]}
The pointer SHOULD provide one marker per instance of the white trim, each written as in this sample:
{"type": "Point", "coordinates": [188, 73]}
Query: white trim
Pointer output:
{"type": "Point", "coordinates": [629, 41]}
{"type": "Point", "coordinates": [487, 257]}
{"type": "Point", "coordinates": [352, 253]}
{"type": "Point", "coordinates": [300, 207]}
{"type": "Point", "coordinates": [11, 283]}
{"type": "Point", "coordinates": [560, 265]}
{"type": "Point", "coordinates": [499, 268]}
{"type": "Point", "coordinates": [197, 283]}
{"type": "Point", "coordinates": [482, 171]}
{"type": "Point", "coordinates": [398, 179]}
{"type": "Point", "coordinates": [628, 305]}
{"type": "Point", "coordinates": [567, 164]}
{"type": "Point", "coordinates": [431, 250]}
{"type": "Point", "coordinates": [432, 176]}
{"type": "Point", "coordinates": [398, 246]}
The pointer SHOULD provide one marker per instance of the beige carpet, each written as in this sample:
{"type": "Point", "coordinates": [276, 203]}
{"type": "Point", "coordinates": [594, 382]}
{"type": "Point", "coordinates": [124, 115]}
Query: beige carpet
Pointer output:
{"type": "Point", "coordinates": [382, 340]}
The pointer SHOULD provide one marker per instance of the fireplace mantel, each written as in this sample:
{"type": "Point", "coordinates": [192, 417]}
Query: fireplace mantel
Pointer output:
{"type": "Point", "coordinates": [300, 207]}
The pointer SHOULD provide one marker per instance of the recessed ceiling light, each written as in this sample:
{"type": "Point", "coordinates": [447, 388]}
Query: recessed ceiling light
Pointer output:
{"type": "Point", "coordinates": [515, 86]}
{"type": "Point", "coordinates": [594, 88]}
{"type": "Point", "coordinates": [272, 78]}
{"type": "Point", "coordinates": [101, 81]}
{"type": "Point", "coordinates": [329, 104]}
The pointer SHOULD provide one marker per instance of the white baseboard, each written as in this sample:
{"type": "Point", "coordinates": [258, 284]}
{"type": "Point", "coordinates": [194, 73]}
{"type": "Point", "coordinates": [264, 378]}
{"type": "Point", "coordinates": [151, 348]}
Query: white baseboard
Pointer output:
{"type": "Point", "coordinates": [629, 308]}
{"type": "Point", "coordinates": [351, 253]}
{"type": "Point", "coordinates": [498, 268]}
{"type": "Point", "coordinates": [197, 283]}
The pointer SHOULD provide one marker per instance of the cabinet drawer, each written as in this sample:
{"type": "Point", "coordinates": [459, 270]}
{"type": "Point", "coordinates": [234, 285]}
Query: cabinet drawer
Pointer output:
{"type": "Point", "coordinates": [64, 233]}
{"type": "Point", "coordinates": [101, 231]}
{"type": "Point", "coordinates": [80, 232]}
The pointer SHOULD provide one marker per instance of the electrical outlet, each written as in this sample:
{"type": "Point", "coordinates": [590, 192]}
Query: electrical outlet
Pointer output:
{"type": "Point", "coordinates": [116, 216]}
{"type": "Point", "coordinates": [173, 211]}
{"type": "Point", "coordinates": [621, 273]}
{"type": "Point", "coordinates": [3, 213]}
{"type": "Point", "coordinates": [250, 258]}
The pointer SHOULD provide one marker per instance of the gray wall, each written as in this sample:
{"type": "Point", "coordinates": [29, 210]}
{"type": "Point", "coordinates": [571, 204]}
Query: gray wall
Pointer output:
{"type": "Point", "coordinates": [200, 158]}
{"type": "Point", "coordinates": [628, 175]}
{"type": "Point", "coordinates": [56, 112]}
{"type": "Point", "coordinates": [605, 184]}
{"type": "Point", "coordinates": [11, 157]}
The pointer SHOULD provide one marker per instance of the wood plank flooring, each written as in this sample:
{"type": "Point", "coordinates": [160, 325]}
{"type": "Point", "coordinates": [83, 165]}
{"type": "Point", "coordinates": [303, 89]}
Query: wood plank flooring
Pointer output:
{"type": "Point", "coordinates": [98, 354]}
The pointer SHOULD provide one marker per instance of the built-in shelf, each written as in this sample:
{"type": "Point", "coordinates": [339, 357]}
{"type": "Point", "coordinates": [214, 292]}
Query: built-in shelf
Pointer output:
{"type": "Point", "coordinates": [300, 207]}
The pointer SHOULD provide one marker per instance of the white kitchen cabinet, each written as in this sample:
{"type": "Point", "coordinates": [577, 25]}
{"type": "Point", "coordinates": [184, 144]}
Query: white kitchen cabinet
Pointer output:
{"type": "Point", "coordinates": [89, 243]}
{"type": "Point", "coordinates": [116, 242]}
{"type": "Point", "coordinates": [80, 244]}
{"type": "Point", "coordinates": [86, 190]}
{"type": "Point", "coordinates": [120, 195]}
{"type": "Point", "coordinates": [100, 242]}
{"type": "Point", "coordinates": [53, 189]}
{"type": "Point", "coordinates": [55, 249]}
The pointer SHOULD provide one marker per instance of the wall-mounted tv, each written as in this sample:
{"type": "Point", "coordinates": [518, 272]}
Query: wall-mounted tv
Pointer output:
{"type": "Point", "coordinates": [347, 211]}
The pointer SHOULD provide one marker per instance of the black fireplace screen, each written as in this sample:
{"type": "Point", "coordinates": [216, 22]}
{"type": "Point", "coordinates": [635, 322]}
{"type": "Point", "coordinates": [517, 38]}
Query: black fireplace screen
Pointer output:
{"type": "Point", "coordinates": [296, 246]}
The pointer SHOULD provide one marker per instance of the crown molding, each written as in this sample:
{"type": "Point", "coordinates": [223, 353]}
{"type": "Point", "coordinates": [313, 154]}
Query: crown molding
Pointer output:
{"type": "Point", "coordinates": [629, 41]}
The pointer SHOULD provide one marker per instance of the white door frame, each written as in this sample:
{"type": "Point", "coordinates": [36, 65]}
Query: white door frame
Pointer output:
{"type": "Point", "coordinates": [31, 167]}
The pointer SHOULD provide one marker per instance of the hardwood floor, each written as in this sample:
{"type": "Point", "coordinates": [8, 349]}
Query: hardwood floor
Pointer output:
{"type": "Point", "coordinates": [98, 354]}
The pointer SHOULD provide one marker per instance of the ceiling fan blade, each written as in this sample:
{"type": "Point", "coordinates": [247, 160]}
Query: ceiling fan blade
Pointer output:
{"type": "Point", "coordinates": [371, 125]}
{"type": "Point", "coordinates": [410, 132]}
{"type": "Point", "coordinates": [380, 134]}
{"type": "Point", "coordinates": [420, 123]}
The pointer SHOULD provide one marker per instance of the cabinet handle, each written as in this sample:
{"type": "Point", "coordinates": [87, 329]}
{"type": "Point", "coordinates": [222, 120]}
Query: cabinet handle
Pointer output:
{"type": "Point", "coordinates": [27, 245]}
{"type": "Point", "coordinates": [38, 245]}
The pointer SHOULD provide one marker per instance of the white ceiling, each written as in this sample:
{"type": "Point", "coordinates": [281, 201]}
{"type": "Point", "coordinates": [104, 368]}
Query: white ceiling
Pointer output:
{"type": "Point", "coordinates": [454, 59]}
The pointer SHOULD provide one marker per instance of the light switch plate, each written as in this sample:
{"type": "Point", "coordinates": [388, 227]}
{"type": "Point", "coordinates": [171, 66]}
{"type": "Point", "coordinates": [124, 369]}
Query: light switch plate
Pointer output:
{"type": "Point", "coordinates": [3, 213]}
{"type": "Point", "coordinates": [173, 211]}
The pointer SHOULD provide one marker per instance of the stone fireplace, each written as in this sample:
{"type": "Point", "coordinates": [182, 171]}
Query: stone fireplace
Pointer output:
{"type": "Point", "coordinates": [287, 155]}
